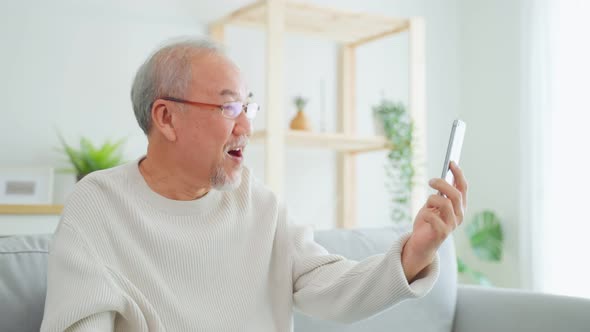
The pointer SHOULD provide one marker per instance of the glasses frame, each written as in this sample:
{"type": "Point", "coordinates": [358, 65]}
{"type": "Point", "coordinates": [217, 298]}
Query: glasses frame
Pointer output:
{"type": "Point", "coordinates": [218, 106]}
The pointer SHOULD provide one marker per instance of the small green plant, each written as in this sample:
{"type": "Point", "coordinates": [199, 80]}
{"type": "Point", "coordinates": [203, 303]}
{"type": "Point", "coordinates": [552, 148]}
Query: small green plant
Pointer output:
{"type": "Point", "coordinates": [486, 238]}
{"type": "Point", "coordinates": [89, 158]}
{"type": "Point", "coordinates": [300, 102]}
{"type": "Point", "coordinates": [398, 127]}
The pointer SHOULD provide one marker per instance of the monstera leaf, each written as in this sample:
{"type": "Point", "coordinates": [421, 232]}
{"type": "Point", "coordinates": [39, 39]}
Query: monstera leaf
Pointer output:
{"type": "Point", "coordinates": [479, 277]}
{"type": "Point", "coordinates": [485, 236]}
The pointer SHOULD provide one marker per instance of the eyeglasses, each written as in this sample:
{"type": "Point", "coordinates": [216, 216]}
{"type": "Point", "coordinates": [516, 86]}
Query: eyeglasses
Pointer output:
{"type": "Point", "coordinates": [230, 110]}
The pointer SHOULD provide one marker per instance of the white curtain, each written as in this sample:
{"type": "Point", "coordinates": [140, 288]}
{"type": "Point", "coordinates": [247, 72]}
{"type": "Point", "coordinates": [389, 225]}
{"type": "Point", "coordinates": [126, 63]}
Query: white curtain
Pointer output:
{"type": "Point", "coordinates": [556, 146]}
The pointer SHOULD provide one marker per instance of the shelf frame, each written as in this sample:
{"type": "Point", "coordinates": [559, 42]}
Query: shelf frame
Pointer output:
{"type": "Point", "coordinates": [351, 30]}
{"type": "Point", "coordinates": [30, 209]}
{"type": "Point", "coordinates": [332, 141]}
{"type": "Point", "coordinates": [346, 27]}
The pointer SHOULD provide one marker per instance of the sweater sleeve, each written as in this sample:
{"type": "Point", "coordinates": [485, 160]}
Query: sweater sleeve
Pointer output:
{"type": "Point", "coordinates": [101, 322]}
{"type": "Point", "coordinates": [80, 293]}
{"type": "Point", "coordinates": [333, 288]}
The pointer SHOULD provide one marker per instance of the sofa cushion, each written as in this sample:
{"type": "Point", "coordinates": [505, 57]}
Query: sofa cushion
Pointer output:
{"type": "Point", "coordinates": [23, 266]}
{"type": "Point", "coordinates": [23, 269]}
{"type": "Point", "coordinates": [434, 312]}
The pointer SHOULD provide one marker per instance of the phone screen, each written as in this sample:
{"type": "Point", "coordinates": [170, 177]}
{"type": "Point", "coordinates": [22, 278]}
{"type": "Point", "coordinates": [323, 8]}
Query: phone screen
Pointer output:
{"type": "Point", "coordinates": [453, 150]}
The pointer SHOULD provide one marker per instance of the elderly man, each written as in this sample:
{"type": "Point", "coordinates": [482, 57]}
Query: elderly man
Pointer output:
{"type": "Point", "coordinates": [184, 239]}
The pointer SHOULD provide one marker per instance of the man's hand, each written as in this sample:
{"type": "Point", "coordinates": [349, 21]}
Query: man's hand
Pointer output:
{"type": "Point", "coordinates": [434, 222]}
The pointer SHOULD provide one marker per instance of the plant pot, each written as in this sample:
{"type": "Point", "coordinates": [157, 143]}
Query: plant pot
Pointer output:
{"type": "Point", "coordinates": [300, 122]}
{"type": "Point", "coordinates": [80, 176]}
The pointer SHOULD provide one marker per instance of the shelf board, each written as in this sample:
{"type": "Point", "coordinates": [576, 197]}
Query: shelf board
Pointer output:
{"type": "Point", "coordinates": [20, 209]}
{"type": "Point", "coordinates": [333, 141]}
{"type": "Point", "coordinates": [347, 27]}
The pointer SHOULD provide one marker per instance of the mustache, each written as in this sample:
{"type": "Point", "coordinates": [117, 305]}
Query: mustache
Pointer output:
{"type": "Point", "coordinates": [242, 140]}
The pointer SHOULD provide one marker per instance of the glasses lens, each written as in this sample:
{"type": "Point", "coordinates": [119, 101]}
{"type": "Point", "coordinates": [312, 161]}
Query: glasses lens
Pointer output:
{"type": "Point", "coordinates": [251, 110]}
{"type": "Point", "coordinates": [232, 110]}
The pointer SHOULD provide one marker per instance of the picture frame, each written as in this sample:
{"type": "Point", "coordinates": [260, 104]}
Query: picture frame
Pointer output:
{"type": "Point", "coordinates": [26, 185]}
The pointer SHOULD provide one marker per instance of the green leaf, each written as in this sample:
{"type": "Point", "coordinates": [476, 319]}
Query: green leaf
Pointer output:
{"type": "Point", "coordinates": [299, 102]}
{"type": "Point", "coordinates": [461, 266]}
{"type": "Point", "coordinates": [89, 158]}
{"type": "Point", "coordinates": [479, 277]}
{"type": "Point", "coordinates": [397, 123]}
{"type": "Point", "coordinates": [485, 236]}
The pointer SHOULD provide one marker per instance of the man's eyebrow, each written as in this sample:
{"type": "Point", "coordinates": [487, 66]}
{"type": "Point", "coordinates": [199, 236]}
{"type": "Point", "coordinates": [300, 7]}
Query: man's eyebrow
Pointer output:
{"type": "Point", "coordinates": [227, 92]}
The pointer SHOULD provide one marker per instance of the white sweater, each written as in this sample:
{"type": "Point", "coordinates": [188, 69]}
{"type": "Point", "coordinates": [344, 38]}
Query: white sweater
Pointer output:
{"type": "Point", "coordinates": [127, 259]}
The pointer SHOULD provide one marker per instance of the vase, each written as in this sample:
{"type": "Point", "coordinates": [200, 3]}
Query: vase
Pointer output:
{"type": "Point", "coordinates": [300, 122]}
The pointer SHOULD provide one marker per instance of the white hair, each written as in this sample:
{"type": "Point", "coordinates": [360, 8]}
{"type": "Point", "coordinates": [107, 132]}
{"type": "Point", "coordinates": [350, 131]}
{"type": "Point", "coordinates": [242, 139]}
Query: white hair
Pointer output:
{"type": "Point", "coordinates": [167, 72]}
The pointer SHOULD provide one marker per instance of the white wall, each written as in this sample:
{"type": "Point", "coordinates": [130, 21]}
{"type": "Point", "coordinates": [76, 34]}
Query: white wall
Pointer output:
{"type": "Point", "coordinates": [490, 74]}
{"type": "Point", "coordinates": [68, 66]}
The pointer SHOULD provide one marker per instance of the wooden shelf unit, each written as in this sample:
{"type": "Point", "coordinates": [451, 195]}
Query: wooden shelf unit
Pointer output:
{"type": "Point", "coordinates": [28, 209]}
{"type": "Point", "coordinates": [336, 25]}
{"type": "Point", "coordinates": [333, 141]}
{"type": "Point", "coordinates": [351, 30]}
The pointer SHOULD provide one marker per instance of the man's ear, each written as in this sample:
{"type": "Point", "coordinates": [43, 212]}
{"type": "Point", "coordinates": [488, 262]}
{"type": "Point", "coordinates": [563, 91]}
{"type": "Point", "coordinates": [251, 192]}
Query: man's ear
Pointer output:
{"type": "Point", "coordinates": [162, 119]}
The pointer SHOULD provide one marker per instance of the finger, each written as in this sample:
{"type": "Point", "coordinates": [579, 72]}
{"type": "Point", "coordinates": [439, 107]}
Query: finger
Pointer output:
{"type": "Point", "coordinates": [445, 207]}
{"type": "Point", "coordinates": [437, 224]}
{"type": "Point", "coordinates": [460, 181]}
{"type": "Point", "coordinates": [451, 193]}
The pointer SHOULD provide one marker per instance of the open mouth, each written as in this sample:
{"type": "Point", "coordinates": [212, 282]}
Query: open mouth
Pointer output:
{"type": "Point", "coordinates": [236, 153]}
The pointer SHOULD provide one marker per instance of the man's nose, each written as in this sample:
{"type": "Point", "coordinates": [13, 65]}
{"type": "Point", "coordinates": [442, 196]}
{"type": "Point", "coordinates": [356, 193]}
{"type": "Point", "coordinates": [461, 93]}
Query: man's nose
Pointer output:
{"type": "Point", "coordinates": [243, 125]}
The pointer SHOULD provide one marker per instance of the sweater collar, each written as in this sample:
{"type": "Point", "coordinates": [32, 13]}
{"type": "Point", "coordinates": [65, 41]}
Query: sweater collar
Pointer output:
{"type": "Point", "coordinates": [167, 205]}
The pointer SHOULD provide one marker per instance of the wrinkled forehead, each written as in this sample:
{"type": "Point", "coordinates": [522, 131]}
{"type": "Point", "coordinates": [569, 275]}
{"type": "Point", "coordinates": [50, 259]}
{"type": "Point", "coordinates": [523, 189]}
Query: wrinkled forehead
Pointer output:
{"type": "Point", "coordinates": [214, 75]}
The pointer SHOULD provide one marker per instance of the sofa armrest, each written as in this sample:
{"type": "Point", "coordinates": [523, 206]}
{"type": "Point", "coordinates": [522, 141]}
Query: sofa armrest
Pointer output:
{"type": "Point", "coordinates": [492, 309]}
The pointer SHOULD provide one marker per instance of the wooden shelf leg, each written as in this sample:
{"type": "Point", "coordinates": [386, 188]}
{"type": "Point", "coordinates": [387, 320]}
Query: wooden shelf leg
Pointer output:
{"type": "Point", "coordinates": [216, 32]}
{"type": "Point", "coordinates": [346, 181]}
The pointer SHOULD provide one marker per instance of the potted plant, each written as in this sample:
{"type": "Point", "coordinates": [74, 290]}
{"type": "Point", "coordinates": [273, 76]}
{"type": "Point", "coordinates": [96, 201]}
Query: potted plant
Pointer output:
{"type": "Point", "coordinates": [300, 121]}
{"type": "Point", "coordinates": [394, 122]}
{"type": "Point", "coordinates": [89, 158]}
{"type": "Point", "coordinates": [486, 238]}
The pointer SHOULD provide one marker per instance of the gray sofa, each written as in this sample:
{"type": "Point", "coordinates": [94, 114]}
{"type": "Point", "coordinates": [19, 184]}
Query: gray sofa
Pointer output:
{"type": "Point", "coordinates": [448, 307]}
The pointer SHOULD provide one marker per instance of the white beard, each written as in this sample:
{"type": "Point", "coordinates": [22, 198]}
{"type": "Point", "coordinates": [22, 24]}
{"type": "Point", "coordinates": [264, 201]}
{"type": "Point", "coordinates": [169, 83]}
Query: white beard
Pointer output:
{"type": "Point", "coordinates": [223, 181]}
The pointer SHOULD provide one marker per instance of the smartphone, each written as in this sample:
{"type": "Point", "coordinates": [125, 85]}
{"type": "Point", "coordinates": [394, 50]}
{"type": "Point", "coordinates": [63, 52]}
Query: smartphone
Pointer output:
{"type": "Point", "coordinates": [453, 150]}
